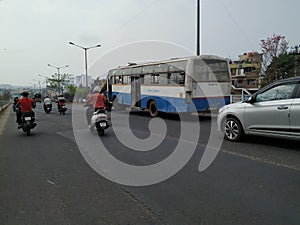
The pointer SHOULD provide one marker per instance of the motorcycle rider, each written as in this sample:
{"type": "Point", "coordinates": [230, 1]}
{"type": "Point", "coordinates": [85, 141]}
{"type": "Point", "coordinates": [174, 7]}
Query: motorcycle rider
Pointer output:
{"type": "Point", "coordinates": [26, 104]}
{"type": "Point", "coordinates": [47, 101]}
{"type": "Point", "coordinates": [16, 99]}
{"type": "Point", "coordinates": [60, 100]}
{"type": "Point", "coordinates": [97, 100]}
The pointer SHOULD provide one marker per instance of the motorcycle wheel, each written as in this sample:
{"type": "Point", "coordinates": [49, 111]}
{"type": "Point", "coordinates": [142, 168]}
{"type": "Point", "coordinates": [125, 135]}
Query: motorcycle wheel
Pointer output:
{"type": "Point", "coordinates": [100, 132]}
{"type": "Point", "coordinates": [28, 132]}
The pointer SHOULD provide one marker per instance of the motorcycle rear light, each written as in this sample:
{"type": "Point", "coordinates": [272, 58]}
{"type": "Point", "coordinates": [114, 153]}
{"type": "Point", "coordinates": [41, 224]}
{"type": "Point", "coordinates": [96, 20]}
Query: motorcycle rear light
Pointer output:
{"type": "Point", "coordinates": [103, 124]}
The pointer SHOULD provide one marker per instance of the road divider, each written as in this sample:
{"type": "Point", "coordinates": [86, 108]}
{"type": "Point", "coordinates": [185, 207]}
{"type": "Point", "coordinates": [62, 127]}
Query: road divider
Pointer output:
{"type": "Point", "coordinates": [4, 105]}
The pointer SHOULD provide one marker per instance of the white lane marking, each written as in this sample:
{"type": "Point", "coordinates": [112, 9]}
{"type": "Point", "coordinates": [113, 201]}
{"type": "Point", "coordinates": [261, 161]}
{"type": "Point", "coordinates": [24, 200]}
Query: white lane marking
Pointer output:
{"type": "Point", "coordinates": [259, 159]}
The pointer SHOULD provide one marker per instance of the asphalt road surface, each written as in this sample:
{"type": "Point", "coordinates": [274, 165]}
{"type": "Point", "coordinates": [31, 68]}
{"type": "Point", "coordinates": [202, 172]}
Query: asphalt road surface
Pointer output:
{"type": "Point", "coordinates": [44, 178]}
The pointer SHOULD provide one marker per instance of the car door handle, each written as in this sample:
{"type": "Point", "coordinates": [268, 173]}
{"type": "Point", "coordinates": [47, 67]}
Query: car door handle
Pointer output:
{"type": "Point", "coordinates": [282, 107]}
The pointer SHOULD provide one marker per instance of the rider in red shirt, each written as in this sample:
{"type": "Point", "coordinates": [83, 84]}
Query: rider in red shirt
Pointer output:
{"type": "Point", "coordinates": [98, 100]}
{"type": "Point", "coordinates": [26, 104]}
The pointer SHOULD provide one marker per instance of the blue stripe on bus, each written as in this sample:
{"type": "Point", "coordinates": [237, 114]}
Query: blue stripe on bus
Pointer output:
{"type": "Point", "coordinates": [167, 104]}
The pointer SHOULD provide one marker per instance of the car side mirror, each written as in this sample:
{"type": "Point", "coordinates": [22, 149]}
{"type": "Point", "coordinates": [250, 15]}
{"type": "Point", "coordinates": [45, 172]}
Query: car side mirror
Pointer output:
{"type": "Point", "coordinates": [251, 99]}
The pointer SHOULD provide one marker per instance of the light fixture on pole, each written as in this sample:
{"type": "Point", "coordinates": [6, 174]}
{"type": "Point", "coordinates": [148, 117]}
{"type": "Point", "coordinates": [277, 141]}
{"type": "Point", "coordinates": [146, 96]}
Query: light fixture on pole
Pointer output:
{"type": "Point", "coordinates": [58, 75]}
{"type": "Point", "coordinates": [85, 57]}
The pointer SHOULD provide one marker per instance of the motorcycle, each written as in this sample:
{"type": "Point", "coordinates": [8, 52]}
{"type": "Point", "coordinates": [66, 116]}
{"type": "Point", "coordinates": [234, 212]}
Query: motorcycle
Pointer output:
{"type": "Point", "coordinates": [47, 108]}
{"type": "Point", "coordinates": [99, 122]}
{"type": "Point", "coordinates": [27, 122]}
{"type": "Point", "coordinates": [16, 99]}
{"type": "Point", "coordinates": [62, 108]}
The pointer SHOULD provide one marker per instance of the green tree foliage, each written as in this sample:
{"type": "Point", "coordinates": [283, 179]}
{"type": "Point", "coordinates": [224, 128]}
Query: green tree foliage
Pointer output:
{"type": "Point", "coordinates": [59, 83]}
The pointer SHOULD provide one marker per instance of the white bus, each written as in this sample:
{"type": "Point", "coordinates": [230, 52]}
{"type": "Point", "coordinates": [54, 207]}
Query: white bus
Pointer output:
{"type": "Point", "coordinates": [197, 83]}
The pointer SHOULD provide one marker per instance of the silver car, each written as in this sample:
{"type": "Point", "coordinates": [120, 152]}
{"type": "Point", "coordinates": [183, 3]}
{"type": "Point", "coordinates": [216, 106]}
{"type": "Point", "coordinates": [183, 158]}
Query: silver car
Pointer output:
{"type": "Point", "coordinates": [272, 111]}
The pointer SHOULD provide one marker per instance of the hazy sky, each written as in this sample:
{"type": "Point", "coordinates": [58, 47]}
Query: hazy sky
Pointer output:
{"type": "Point", "coordinates": [35, 33]}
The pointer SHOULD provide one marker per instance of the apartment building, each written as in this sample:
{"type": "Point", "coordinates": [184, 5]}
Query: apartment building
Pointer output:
{"type": "Point", "coordinates": [245, 73]}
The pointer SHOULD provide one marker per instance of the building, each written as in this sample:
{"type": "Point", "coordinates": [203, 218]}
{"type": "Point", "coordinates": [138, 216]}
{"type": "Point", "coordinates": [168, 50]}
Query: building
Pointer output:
{"type": "Point", "coordinates": [245, 73]}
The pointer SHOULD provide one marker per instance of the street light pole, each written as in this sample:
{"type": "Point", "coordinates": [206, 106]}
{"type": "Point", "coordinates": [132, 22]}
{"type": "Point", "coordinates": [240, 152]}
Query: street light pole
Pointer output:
{"type": "Point", "coordinates": [85, 57]}
{"type": "Point", "coordinates": [86, 72]}
{"type": "Point", "coordinates": [46, 78]}
{"type": "Point", "coordinates": [198, 28]}
{"type": "Point", "coordinates": [58, 74]}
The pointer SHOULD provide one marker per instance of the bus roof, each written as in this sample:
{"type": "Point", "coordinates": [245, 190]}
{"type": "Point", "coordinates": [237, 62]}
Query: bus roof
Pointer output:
{"type": "Point", "coordinates": [172, 60]}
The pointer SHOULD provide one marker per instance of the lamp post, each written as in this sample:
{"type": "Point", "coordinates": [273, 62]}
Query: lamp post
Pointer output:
{"type": "Point", "coordinates": [39, 84]}
{"type": "Point", "coordinates": [85, 57]}
{"type": "Point", "coordinates": [46, 78]}
{"type": "Point", "coordinates": [58, 75]}
{"type": "Point", "coordinates": [198, 27]}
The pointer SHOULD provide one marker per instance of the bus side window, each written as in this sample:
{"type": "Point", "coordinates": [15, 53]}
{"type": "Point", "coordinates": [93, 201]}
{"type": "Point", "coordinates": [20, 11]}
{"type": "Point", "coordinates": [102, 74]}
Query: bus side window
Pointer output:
{"type": "Point", "coordinates": [114, 80]}
{"type": "Point", "coordinates": [125, 79]}
{"type": "Point", "coordinates": [147, 79]}
{"type": "Point", "coordinates": [155, 79]}
{"type": "Point", "coordinates": [120, 80]}
{"type": "Point", "coordinates": [142, 79]}
{"type": "Point", "coordinates": [174, 78]}
{"type": "Point", "coordinates": [181, 78]}
{"type": "Point", "coordinates": [163, 79]}
{"type": "Point", "coordinates": [177, 78]}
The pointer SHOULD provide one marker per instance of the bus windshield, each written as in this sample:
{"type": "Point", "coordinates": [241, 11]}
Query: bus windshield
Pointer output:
{"type": "Point", "coordinates": [211, 70]}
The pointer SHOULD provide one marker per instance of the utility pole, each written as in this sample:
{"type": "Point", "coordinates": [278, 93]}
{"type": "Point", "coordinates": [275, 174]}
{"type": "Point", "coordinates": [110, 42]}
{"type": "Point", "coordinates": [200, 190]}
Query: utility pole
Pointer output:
{"type": "Point", "coordinates": [198, 28]}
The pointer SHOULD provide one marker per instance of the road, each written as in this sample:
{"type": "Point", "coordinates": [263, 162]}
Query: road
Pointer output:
{"type": "Point", "coordinates": [44, 178]}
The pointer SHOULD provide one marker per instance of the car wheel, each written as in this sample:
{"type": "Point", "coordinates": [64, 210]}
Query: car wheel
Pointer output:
{"type": "Point", "coordinates": [233, 129]}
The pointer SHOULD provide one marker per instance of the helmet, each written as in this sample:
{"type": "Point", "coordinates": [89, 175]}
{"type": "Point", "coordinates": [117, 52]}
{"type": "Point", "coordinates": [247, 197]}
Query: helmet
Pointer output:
{"type": "Point", "coordinates": [25, 93]}
{"type": "Point", "coordinates": [97, 89]}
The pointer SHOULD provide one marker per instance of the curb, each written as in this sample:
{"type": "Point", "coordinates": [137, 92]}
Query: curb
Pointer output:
{"type": "Point", "coordinates": [4, 107]}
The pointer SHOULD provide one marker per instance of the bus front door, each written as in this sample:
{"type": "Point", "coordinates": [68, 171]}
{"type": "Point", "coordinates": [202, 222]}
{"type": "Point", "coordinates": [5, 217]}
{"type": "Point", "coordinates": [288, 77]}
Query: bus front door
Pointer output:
{"type": "Point", "coordinates": [135, 91]}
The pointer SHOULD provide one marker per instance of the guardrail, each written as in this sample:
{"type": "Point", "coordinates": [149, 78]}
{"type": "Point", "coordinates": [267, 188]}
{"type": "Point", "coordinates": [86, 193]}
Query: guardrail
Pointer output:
{"type": "Point", "coordinates": [238, 98]}
{"type": "Point", "coordinates": [4, 104]}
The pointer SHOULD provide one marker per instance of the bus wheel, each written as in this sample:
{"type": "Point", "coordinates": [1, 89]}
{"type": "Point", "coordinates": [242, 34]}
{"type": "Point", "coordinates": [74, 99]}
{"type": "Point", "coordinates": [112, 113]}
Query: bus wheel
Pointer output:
{"type": "Point", "coordinates": [153, 109]}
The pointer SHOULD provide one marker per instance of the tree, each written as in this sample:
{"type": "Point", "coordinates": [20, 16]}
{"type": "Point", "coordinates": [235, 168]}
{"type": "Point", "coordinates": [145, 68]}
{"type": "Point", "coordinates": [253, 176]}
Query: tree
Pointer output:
{"type": "Point", "coordinates": [284, 65]}
{"type": "Point", "coordinates": [70, 93]}
{"type": "Point", "coordinates": [59, 83]}
{"type": "Point", "coordinates": [272, 48]}
{"type": "Point", "coordinates": [5, 95]}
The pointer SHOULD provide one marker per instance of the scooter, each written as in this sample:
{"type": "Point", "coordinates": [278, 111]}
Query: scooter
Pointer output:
{"type": "Point", "coordinates": [47, 108]}
{"type": "Point", "coordinates": [99, 122]}
{"type": "Point", "coordinates": [27, 122]}
{"type": "Point", "coordinates": [62, 108]}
